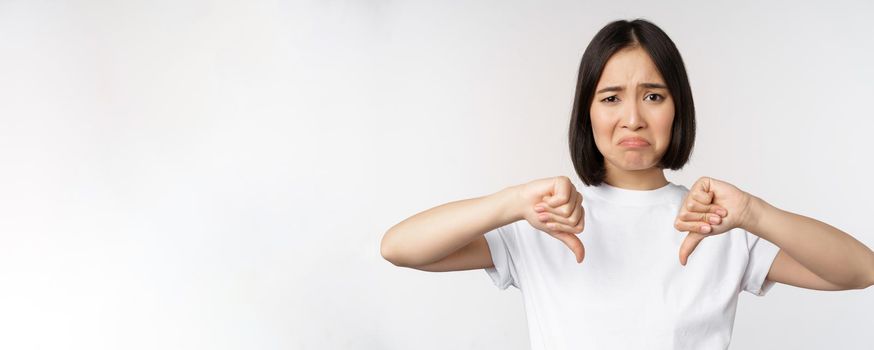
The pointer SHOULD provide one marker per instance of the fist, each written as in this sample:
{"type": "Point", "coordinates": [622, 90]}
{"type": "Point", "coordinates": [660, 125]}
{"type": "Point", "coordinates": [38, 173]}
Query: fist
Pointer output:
{"type": "Point", "coordinates": [553, 205]}
{"type": "Point", "coordinates": [710, 208]}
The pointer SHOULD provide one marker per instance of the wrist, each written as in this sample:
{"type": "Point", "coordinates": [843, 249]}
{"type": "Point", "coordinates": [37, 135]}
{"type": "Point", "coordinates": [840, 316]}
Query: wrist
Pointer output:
{"type": "Point", "coordinates": [758, 208]}
{"type": "Point", "coordinates": [509, 200]}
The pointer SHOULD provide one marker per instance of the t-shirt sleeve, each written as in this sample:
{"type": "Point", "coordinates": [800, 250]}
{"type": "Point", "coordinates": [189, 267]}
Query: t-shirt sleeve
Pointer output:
{"type": "Point", "coordinates": [502, 243]}
{"type": "Point", "coordinates": [761, 255]}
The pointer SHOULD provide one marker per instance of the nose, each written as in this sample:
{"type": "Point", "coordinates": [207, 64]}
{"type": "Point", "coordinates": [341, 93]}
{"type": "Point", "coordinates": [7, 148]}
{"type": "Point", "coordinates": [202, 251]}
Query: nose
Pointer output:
{"type": "Point", "coordinates": [633, 119]}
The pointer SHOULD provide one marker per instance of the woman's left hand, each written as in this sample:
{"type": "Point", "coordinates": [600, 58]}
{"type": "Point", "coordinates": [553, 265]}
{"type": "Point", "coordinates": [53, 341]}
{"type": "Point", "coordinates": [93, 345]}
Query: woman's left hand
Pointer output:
{"type": "Point", "coordinates": [710, 208]}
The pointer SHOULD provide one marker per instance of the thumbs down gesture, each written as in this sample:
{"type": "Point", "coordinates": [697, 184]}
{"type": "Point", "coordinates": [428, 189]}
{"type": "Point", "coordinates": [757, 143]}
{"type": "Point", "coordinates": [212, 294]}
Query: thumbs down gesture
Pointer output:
{"type": "Point", "coordinates": [711, 207]}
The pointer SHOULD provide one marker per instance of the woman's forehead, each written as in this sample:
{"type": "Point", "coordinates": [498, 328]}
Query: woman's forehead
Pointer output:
{"type": "Point", "coordinates": [630, 66]}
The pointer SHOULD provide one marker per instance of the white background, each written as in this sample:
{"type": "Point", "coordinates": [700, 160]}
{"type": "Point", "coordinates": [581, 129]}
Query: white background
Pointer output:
{"type": "Point", "coordinates": [219, 175]}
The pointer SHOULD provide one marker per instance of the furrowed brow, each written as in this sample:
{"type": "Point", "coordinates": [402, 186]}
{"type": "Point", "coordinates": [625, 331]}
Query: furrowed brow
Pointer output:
{"type": "Point", "coordinates": [620, 88]}
{"type": "Point", "coordinates": [653, 86]}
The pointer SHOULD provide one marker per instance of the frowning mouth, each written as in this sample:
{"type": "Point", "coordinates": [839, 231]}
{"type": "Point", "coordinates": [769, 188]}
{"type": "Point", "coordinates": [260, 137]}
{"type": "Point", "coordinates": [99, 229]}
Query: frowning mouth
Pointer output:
{"type": "Point", "coordinates": [634, 141]}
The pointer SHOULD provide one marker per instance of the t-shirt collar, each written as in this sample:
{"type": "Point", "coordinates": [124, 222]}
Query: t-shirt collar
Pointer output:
{"type": "Point", "coordinates": [632, 197]}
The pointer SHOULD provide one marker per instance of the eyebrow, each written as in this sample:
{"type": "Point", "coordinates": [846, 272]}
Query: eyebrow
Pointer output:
{"type": "Point", "coordinates": [620, 88]}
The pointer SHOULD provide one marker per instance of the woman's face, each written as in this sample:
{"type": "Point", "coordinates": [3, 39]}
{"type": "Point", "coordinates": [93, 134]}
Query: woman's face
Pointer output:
{"type": "Point", "coordinates": [632, 100]}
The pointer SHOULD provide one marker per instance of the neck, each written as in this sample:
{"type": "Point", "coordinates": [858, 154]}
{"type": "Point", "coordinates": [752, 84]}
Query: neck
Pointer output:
{"type": "Point", "coordinates": [641, 180]}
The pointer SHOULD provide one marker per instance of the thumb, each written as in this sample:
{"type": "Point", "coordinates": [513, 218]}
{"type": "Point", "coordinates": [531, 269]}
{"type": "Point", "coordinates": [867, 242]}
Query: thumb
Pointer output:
{"type": "Point", "coordinates": [689, 244]}
{"type": "Point", "coordinates": [573, 242]}
{"type": "Point", "coordinates": [707, 197]}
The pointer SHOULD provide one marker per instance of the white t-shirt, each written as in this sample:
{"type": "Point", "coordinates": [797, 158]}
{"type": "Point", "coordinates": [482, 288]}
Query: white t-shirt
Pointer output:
{"type": "Point", "coordinates": [630, 291]}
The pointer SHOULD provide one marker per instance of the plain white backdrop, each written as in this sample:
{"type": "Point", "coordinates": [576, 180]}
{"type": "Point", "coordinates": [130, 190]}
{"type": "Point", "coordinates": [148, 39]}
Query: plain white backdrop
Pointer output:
{"type": "Point", "coordinates": [219, 174]}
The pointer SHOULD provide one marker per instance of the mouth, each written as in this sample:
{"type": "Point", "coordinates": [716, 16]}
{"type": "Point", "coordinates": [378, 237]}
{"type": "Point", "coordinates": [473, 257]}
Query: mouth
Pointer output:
{"type": "Point", "coordinates": [634, 144]}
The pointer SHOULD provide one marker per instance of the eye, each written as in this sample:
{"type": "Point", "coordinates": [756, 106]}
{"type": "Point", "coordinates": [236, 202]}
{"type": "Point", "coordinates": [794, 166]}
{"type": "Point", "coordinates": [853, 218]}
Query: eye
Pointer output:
{"type": "Point", "coordinates": [660, 97]}
{"type": "Point", "coordinates": [609, 99]}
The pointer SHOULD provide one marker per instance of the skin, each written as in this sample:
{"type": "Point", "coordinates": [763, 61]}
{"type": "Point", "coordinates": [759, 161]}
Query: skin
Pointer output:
{"type": "Point", "coordinates": [812, 254]}
{"type": "Point", "coordinates": [630, 107]}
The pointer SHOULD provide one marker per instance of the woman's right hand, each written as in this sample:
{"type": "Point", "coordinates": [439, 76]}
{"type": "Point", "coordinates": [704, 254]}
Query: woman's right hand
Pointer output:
{"type": "Point", "coordinates": [562, 211]}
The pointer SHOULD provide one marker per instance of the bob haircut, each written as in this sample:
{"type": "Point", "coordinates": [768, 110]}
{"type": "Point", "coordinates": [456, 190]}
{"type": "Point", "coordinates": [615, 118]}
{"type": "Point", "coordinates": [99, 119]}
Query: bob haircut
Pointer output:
{"type": "Point", "coordinates": [587, 159]}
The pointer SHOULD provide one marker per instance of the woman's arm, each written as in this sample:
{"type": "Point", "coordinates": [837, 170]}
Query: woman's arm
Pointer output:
{"type": "Point", "coordinates": [812, 254]}
{"type": "Point", "coordinates": [434, 234]}
{"type": "Point", "coordinates": [823, 250]}
{"type": "Point", "coordinates": [437, 232]}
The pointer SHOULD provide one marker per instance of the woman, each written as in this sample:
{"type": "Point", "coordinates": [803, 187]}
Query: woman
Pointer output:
{"type": "Point", "coordinates": [633, 117]}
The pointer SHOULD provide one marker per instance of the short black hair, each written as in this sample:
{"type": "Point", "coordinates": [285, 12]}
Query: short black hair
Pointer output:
{"type": "Point", "coordinates": [588, 161]}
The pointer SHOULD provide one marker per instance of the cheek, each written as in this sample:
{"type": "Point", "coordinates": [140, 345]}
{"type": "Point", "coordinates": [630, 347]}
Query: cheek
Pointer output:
{"type": "Point", "coordinates": [663, 124]}
{"type": "Point", "coordinates": [601, 128]}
